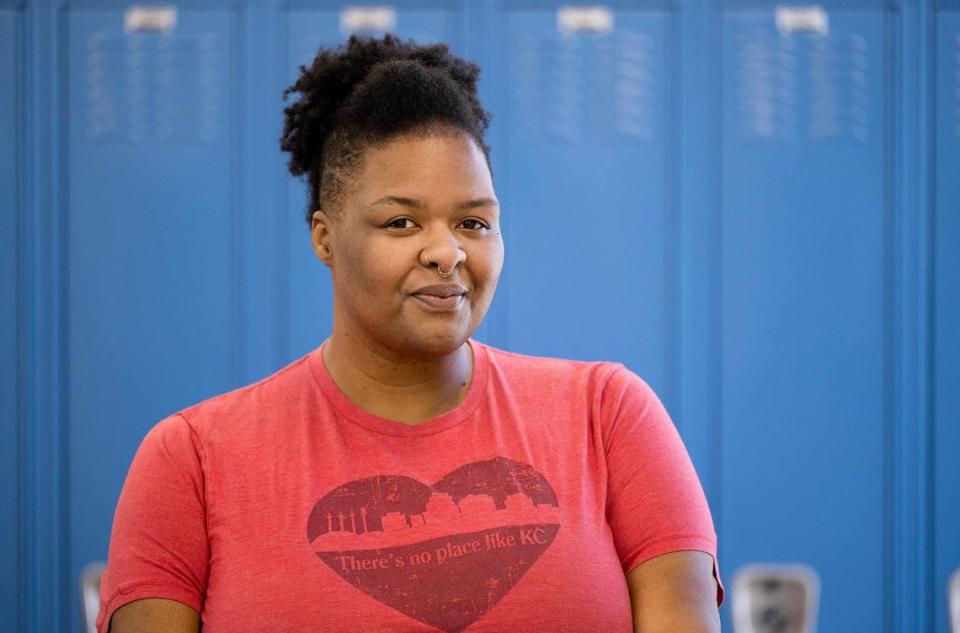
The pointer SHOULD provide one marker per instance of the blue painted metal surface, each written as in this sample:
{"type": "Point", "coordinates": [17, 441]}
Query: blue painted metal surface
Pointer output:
{"type": "Point", "coordinates": [804, 209]}
{"type": "Point", "coordinates": [589, 159]}
{"type": "Point", "coordinates": [11, 92]}
{"type": "Point", "coordinates": [151, 288]}
{"type": "Point", "coordinates": [747, 218]}
{"type": "Point", "coordinates": [946, 315]}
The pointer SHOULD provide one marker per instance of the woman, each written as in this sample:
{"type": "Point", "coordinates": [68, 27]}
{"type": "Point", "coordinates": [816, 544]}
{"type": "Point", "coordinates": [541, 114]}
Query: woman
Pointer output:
{"type": "Point", "coordinates": [402, 476]}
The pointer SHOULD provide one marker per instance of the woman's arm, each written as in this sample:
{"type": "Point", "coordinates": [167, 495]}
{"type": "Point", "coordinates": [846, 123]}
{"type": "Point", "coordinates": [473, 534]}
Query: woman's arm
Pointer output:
{"type": "Point", "coordinates": [155, 615]}
{"type": "Point", "coordinates": [159, 551]}
{"type": "Point", "coordinates": [675, 593]}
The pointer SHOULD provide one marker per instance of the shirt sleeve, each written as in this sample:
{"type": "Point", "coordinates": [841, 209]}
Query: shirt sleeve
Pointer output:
{"type": "Point", "coordinates": [158, 545]}
{"type": "Point", "coordinates": [655, 503]}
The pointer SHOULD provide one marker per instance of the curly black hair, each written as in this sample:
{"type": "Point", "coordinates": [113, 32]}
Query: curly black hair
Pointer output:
{"type": "Point", "coordinates": [366, 93]}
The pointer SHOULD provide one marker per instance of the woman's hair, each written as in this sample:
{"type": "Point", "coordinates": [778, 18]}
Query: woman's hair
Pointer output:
{"type": "Point", "coordinates": [366, 93]}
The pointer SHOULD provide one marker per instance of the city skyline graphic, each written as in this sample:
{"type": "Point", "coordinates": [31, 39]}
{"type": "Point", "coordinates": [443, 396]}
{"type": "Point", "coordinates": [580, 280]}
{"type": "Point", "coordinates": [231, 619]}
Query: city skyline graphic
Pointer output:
{"type": "Point", "coordinates": [443, 553]}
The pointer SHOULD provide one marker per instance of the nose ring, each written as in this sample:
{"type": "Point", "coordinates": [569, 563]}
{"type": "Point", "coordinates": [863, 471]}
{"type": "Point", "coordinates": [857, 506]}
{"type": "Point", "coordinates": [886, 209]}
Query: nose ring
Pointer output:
{"type": "Point", "coordinates": [443, 274]}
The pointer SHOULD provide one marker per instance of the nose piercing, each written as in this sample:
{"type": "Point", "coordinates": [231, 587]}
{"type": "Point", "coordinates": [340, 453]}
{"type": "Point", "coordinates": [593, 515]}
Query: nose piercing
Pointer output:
{"type": "Point", "coordinates": [443, 274]}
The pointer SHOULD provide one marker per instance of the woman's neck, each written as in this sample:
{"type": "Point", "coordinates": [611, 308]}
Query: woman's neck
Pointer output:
{"type": "Point", "coordinates": [405, 390]}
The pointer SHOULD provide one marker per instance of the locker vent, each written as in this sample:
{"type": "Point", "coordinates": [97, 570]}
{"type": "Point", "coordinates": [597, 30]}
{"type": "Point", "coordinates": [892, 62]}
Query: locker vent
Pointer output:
{"type": "Point", "coordinates": [792, 88]}
{"type": "Point", "coordinates": [153, 87]}
{"type": "Point", "coordinates": [584, 87]}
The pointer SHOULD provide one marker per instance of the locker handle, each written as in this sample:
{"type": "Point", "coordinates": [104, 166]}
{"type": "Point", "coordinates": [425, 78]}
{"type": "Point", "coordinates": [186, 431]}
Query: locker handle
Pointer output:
{"type": "Point", "coordinates": [809, 19]}
{"type": "Point", "coordinates": [150, 18]}
{"type": "Point", "coordinates": [596, 19]}
{"type": "Point", "coordinates": [360, 19]}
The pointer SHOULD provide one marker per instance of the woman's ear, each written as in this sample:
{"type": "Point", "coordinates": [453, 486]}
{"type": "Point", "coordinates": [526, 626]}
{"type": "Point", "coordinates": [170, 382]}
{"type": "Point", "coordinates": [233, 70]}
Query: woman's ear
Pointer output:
{"type": "Point", "coordinates": [320, 237]}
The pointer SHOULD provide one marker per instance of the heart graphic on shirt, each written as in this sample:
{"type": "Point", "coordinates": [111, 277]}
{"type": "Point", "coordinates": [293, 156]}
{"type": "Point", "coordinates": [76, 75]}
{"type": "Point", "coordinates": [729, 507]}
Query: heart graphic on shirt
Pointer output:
{"type": "Point", "coordinates": [443, 554]}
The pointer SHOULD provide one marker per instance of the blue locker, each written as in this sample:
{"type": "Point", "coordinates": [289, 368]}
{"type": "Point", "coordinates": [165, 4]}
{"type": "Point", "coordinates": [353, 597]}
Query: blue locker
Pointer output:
{"type": "Point", "coordinates": [10, 192]}
{"type": "Point", "coordinates": [586, 172]}
{"type": "Point", "coordinates": [804, 209]}
{"type": "Point", "coordinates": [946, 311]}
{"type": "Point", "coordinates": [151, 285]}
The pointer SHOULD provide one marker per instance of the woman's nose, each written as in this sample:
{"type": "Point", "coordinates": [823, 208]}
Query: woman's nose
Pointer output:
{"type": "Point", "coordinates": [443, 248]}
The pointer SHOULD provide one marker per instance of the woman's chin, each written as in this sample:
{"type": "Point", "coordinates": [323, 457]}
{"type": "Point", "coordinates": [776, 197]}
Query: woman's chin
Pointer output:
{"type": "Point", "coordinates": [436, 342]}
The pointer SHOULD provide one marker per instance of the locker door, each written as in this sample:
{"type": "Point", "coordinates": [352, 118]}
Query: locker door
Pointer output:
{"type": "Point", "coordinates": [149, 202]}
{"type": "Point", "coordinates": [9, 302]}
{"type": "Point", "coordinates": [946, 300]}
{"type": "Point", "coordinates": [585, 173]}
{"type": "Point", "coordinates": [804, 210]}
{"type": "Point", "coordinates": [309, 290]}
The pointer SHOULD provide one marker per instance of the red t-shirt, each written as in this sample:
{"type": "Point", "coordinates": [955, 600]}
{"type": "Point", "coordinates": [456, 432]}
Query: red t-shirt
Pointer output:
{"type": "Point", "coordinates": [283, 506]}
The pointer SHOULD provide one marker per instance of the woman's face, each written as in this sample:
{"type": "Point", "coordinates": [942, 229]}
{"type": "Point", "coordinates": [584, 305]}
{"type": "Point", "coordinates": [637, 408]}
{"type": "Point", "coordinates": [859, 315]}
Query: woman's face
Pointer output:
{"type": "Point", "coordinates": [415, 203]}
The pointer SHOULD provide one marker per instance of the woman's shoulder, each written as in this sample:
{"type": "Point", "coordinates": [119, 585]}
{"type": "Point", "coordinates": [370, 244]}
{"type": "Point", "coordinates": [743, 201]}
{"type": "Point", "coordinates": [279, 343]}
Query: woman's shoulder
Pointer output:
{"type": "Point", "coordinates": [253, 403]}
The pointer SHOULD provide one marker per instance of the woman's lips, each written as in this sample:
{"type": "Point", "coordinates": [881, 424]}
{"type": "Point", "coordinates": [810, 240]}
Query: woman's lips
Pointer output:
{"type": "Point", "coordinates": [441, 303]}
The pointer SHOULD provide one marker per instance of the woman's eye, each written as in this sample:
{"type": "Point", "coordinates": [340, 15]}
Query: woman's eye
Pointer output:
{"type": "Point", "coordinates": [473, 224]}
{"type": "Point", "coordinates": [400, 223]}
